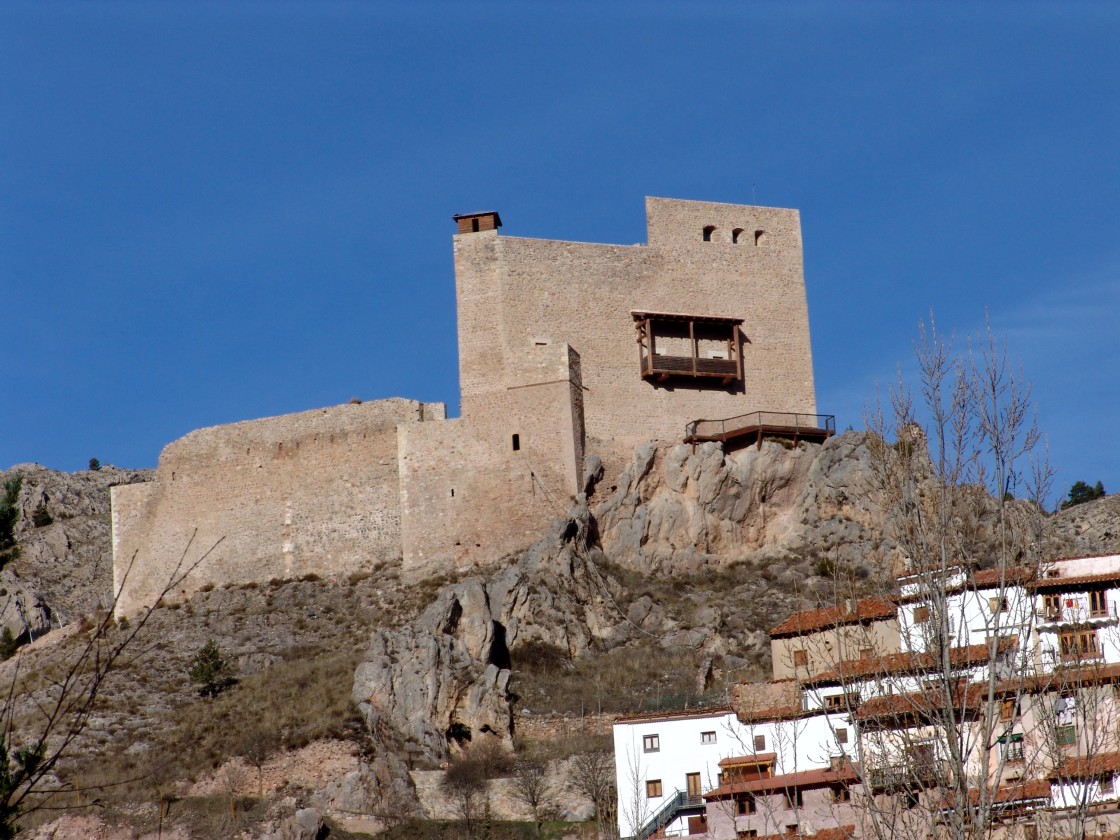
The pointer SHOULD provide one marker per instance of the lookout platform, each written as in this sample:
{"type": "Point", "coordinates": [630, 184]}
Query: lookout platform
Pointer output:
{"type": "Point", "coordinates": [754, 427]}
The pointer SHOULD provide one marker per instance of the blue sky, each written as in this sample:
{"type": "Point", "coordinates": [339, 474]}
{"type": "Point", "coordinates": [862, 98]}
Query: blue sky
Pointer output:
{"type": "Point", "coordinates": [216, 211]}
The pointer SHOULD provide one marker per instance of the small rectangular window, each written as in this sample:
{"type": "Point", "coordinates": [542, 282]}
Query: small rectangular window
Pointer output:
{"type": "Point", "coordinates": [707, 737]}
{"type": "Point", "coordinates": [800, 659]}
{"type": "Point", "coordinates": [1066, 735]}
{"type": "Point", "coordinates": [841, 735]}
{"type": "Point", "coordinates": [744, 804]}
{"type": "Point", "coordinates": [1108, 785]}
{"type": "Point", "coordinates": [1098, 603]}
{"type": "Point", "coordinates": [759, 743]}
{"type": "Point", "coordinates": [1007, 709]}
{"type": "Point", "coordinates": [921, 615]}
{"type": "Point", "coordinates": [841, 793]}
{"type": "Point", "coordinates": [653, 788]}
{"type": "Point", "coordinates": [997, 605]}
{"type": "Point", "coordinates": [651, 743]}
{"type": "Point", "coordinates": [516, 443]}
{"type": "Point", "coordinates": [794, 798]}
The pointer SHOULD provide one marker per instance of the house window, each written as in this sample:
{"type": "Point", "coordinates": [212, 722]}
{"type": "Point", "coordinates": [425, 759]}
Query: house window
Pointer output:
{"type": "Point", "coordinates": [708, 231]}
{"type": "Point", "coordinates": [516, 443]}
{"type": "Point", "coordinates": [1079, 644]}
{"type": "Point", "coordinates": [997, 605]}
{"type": "Point", "coordinates": [1108, 785]}
{"type": "Point", "coordinates": [750, 832]}
{"type": "Point", "coordinates": [744, 804]}
{"type": "Point", "coordinates": [707, 737]}
{"type": "Point", "coordinates": [651, 743]}
{"type": "Point", "coordinates": [1066, 735]}
{"type": "Point", "coordinates": [1012, 748]}
{"type": "Point", "coordinates": [1052, 607]}
{"type": "Point", "coordinates": [795, 798]}
{"type": "Point", "coordinates": [1007, 709]}
{"type": "Point", "coordinates": [841, 735]}
{"type": "Point", "coordinates": [759, 743]}
{"type": "Point", "coordinates": [653, 789]}
{"type": "Point", "coordinates": [800, 659]}
{"type": "Point", "coordinates": [837, 702]}
{"type": "Point", "coordinates": [692, 785]}
{"type": "Point", "coordinates": [921, 615]}
{"type": "Point", "coordinates": [866, 653]}
{"type": "Point", "coordinates": [1098, 603]}
{"type": "Point", "coordinates": [737, 235]}
{"type": "Point", "coordinates": [841, 793]}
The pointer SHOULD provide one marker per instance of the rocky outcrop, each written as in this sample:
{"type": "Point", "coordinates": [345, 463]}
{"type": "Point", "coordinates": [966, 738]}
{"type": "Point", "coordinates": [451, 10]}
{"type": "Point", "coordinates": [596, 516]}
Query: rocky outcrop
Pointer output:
{"type": "Point", "coordinates": [1089, 528]}
{"type": "Point", "coordinates": [683, 508]}
{"type": "Point", "coordinates": [443, 681]}
{"type": "Point", "coordinates": [65, 566]}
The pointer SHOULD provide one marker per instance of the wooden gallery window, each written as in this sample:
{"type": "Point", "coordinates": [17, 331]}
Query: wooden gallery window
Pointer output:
{"type": "Point", "coordinates": [699, 348]}
{"type": "Point", "coordinates": [653, 788]}
{"type": "Point", "coordinates": [1079, 644]}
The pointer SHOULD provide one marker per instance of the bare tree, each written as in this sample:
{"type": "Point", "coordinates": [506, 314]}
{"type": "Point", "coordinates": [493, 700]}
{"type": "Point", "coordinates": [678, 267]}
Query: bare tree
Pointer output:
{"type": "Point", "coordinates": [531, 786]}
{"type": "Point", "coordinates": [931, 729]}
{"type": "Point", "coordinates": [592, 775]}
{"type": "Point", "coordinates": [255, 747]}
{"type": "Point", "coordinates": [30, 752]}
{"type": "Point", "coordinates": [467, 787]}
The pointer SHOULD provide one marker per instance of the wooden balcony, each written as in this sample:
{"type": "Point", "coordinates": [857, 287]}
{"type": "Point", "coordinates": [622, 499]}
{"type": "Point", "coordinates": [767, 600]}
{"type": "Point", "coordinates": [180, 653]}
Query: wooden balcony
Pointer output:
{"type": "Point", "coordinates": [693, 347]}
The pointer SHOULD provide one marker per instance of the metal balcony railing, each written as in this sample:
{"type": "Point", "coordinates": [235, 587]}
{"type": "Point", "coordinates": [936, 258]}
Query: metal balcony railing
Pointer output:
{"type": "Point", "coordinates": [765, 422]}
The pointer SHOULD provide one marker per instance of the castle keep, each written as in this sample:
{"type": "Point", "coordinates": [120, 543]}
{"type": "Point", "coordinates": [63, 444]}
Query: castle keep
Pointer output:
{"type": "Point", "coordinates": [564, 348]}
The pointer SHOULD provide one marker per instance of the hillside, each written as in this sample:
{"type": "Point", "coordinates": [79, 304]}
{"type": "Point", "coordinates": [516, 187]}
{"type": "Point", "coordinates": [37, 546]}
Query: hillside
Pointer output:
{"type": "Point", "coordinates": [655, 593]}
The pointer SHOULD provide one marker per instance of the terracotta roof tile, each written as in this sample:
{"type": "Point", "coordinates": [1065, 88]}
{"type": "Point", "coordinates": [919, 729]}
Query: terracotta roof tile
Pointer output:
{"type": "Point", "coordinates": [677, 714]}
{"type": "Point", "coordinates": [755, 758]}
{"type": "Point", "coordinates": [1088, 767]}
{"type": "Point", "coordinates": [901, 663]}
{"type": "Point", "coordinates": [866, 609]}
{"type": "Point", "coordinates": [803, 779]}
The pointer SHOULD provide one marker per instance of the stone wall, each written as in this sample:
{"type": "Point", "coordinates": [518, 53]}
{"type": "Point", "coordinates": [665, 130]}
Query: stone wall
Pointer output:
{"type": "Point", "coordinates": [308, 493]}
{"type": "Point", "coordinates": [486, 485]}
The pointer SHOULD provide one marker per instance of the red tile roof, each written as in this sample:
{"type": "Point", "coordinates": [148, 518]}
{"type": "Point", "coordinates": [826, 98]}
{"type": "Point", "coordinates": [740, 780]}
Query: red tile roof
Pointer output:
{"type": "Point", "coordinates": [902, 663]}
{"type": "Point", "coordinates": [1088, 767]}
{"type": "Point", "coordinates": [755, 758]}
{"type": "Point", "coordinates": [866, 609]}
{"type": "Point", "coordinates": [1076, 580]}
{"type": "Point", "coordinates": [677, 714]}
{"type": "Point", "coordinates": [843, 832]}
{"type": "Point", "coordinates": [803, 779]}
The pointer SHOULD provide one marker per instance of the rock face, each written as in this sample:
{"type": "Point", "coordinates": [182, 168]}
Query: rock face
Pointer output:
{"type": "Point", "coordinates": [685, 507]}
{"type": "Point", "coordinates": [64, 568]}
{"type": "Point", "coordinates": [1089, 528]}
{"type": "Point", "coordinates": [443, 681]}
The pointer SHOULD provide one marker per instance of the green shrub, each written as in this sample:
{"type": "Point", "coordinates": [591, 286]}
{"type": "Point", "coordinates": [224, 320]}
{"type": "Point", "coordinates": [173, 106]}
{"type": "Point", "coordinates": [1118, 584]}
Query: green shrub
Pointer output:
{"type": "Point", "coordinates": [94, 464]}
{"type": "Point", "coordinates": [8, 644]}
{"type": "Point", "coordinates": [209, 670]}
{"type": "Point", "coordinates": [9, 516]}
{"type": "Point", "coordinates": [41, 518]}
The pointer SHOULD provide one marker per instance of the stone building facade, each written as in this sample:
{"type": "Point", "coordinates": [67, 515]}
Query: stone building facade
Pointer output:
{"type": "Point", "coordinates": [564, 348]}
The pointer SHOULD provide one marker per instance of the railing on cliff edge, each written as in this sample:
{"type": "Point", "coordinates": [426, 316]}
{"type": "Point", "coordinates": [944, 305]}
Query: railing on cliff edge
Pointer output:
{"type": "Point", "coordinates": [763, 424]}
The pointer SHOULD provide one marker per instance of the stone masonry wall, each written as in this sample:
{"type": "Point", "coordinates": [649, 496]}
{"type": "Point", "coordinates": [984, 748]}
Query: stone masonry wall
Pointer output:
{"type": "Point", "coordinates": [515, 294]}
{"type": "Point", "coordinates": [314, 492]}
{"type": "Point", "coordinates": [467, 495]}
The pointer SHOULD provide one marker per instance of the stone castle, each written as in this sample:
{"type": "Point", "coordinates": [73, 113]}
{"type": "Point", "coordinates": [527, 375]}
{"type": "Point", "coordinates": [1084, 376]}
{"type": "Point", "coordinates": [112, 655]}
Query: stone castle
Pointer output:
{"type": "Point", "coordinates": [564, 348]}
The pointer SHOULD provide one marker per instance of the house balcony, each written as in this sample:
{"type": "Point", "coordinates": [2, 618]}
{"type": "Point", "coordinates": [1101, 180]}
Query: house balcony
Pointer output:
{"type": "Point", "coordinates": [1077, 612]}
